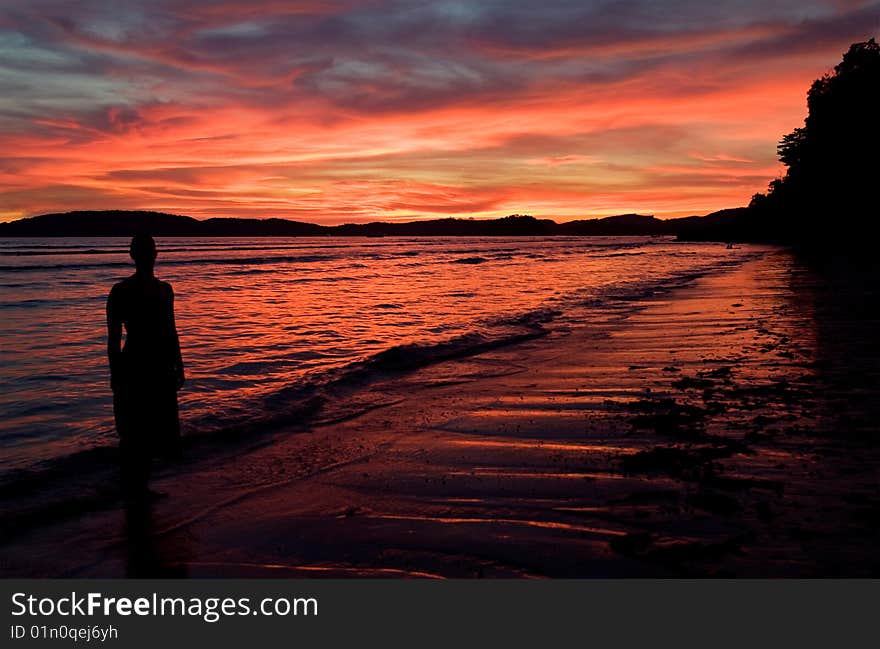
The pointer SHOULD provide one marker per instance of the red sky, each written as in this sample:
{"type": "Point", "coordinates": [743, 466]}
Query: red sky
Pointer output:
{"type": "Point", "coordinates": [376, 110]}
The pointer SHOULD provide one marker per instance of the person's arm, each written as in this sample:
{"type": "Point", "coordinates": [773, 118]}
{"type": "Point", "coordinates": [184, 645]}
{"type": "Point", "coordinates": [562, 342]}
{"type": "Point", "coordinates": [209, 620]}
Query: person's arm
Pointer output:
{"type": "Point", "coordinates": [175, 342]}
{"type": "Point", "coordinates": [114, 339]}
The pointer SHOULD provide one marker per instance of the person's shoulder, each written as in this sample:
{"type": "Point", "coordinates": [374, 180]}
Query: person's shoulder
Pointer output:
{"type": "Point", "coordinates": [166, 287]}
{"type": "Point", "coordinates": [119, 295]}
{"type": "Point", "coordinates": [121, 286]}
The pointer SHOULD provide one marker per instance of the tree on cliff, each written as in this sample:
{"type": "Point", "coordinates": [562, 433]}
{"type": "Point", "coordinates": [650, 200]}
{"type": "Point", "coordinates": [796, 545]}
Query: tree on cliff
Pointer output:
{"type": "Point", "coordinates": [831, 183]}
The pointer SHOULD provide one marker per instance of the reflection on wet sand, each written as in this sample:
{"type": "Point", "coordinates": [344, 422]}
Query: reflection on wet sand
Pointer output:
{"type": "Point", "coordinates": [251, 569]}
{"type": "Point", "coordinates": [147, 554]}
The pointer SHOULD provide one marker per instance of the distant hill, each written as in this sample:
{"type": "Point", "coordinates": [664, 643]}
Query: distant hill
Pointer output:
{"type": "Point", "coordinates": [119, 223]}
{"type": "Point", "coordinates": [111, 223]}
{"type": "Point", "coordinates": [621, 225]}
{"type": "Point", "coordinates": [124, 223]}
{"type": "Point", "coordinates": [734, 224]}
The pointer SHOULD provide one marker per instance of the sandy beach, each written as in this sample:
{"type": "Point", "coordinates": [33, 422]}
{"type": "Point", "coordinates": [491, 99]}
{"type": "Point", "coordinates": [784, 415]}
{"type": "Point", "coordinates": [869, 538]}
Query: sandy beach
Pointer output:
{"type": "Point", "coordinates": [721, 428]}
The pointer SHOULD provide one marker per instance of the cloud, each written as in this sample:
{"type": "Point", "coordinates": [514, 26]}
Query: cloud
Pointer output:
{"type": "Point", "coordinates": [390, 108]}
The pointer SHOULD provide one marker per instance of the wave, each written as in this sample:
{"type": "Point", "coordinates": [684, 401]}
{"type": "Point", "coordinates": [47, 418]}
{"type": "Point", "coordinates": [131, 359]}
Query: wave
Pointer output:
{"type": "Point", "coordinates": [321, 252]}
{"type": "Point", "coordinates": [321, 398]}
{"type": "Point", "coordinates": [224, 261]}
{"type": "Point", "coordinates": [619, 254]}
{"type": "Point", "coordinates": [296, 402]}
{"type": "Point", "coordinates": [38, 251]}
{"type": "Point", "coordinates": [235, 261]}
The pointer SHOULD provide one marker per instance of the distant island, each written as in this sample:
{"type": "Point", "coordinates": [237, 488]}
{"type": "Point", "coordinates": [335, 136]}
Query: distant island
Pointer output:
{"type": "Point", "coordinates": [121, 223]}
{"type": "Point", "coordinates": [827, 195]}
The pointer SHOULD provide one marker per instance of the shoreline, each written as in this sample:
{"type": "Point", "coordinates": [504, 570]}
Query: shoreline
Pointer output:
{"type": "Point", "coordinates": [313, 398]}
{"type": "Point", "coordinates": [304, 328]}
{"type": "Point", "coordinates": [688, 436]}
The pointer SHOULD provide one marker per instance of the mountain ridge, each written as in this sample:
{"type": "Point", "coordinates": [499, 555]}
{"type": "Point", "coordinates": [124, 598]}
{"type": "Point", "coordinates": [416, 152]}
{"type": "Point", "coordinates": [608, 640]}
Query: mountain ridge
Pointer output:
{"type": "Point", "coordinates": [96, 223]}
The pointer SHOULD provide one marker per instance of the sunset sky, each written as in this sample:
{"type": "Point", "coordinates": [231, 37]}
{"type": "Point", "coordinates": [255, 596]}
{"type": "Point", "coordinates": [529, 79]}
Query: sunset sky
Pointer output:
{"type": "Point", "coordinates": [352, 111]}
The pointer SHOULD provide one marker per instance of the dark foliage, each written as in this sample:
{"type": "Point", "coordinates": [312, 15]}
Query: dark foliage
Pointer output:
{"type": "Point", "coordinates": [829, 191]}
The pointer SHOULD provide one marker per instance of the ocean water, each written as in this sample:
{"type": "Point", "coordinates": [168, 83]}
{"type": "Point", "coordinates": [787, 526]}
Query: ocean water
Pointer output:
{"type": "Point", "coordinates": [262, 321]}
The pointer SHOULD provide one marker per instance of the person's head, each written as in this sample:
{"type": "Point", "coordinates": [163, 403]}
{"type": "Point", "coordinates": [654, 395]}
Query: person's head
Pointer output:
{"type": "Point", "coordinates": [143, 251]}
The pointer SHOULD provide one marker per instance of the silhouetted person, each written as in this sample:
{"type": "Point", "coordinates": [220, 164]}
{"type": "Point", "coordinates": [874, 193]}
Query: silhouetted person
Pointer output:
{"type": "Point", "coordinates": [146, 372]}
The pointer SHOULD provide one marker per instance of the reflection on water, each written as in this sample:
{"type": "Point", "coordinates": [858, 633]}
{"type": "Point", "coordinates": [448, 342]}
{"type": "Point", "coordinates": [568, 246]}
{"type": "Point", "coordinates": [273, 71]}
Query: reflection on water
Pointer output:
{"type": "Point", "coordinates": [258, 315]}
{"type": "Point", "coordinates": [844, 293]}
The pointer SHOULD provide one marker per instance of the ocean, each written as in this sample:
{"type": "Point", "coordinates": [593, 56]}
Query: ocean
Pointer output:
{"type": "Point", "coordinates": [264, 323]}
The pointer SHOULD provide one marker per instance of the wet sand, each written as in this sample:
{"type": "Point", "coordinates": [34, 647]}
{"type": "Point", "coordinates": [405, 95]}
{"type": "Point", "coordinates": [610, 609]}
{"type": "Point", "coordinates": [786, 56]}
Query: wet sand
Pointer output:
{"type": "Point", "coordinates": [726, 428]}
